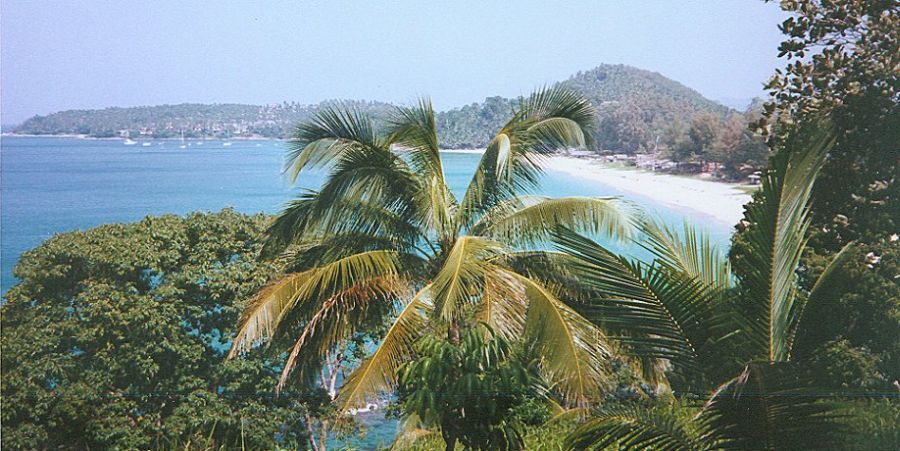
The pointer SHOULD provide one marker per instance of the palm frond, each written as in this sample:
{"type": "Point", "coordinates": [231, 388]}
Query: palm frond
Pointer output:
{"type": "Point", "coordinates": [572, 352]}
{"type": "Point", "coordinates": [550, 268]}
{"type": "Point", "coordinates": [776, 237]}
{"type": "Point", "coordinates": [462, 277]}
{"type": "Point", "coordinates": [637, 427]}
{"type": "Point", "coordinates": [534, 223]}
{"type": "Point", "coordinates": [773, 406]}
{"type": "Point", "coordinates": [656, 313]}
{"type": "Point", "coordinates": [562, 103]}
{"type": "Point", "coordinates": [312, 287]}
{"type": "Point", "coordinates": [414, 130]}
{"type": "Point", "coordinates": [503, 305]}
{"type": "Point", "coordinates": [371, 175]}
{"type": "Point", "coordinates": [689, 251]}
{"type": "Point", "coordinates": [378, 372]}
{"type": "Point", "coordinates": [309, 219]}
{"type": "Point", "coordinates": [549, 120]}
{"type": "Point", "coordinates": [806, 336]}
{"type": "Point", "coordinates": [324, 139]}
{"type": "Point", "coordinates": [336, 320]}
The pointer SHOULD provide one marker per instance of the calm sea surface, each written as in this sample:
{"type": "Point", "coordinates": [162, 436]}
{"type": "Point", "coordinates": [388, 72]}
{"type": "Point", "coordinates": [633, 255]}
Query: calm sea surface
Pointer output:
{"type": "Point", "coordinates": [53, 185]}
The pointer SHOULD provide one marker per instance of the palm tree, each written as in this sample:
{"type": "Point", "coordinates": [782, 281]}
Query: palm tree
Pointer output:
{"type": "Point", "coordinates": [694, 325]}
{"type": "Point", "coordinates": [385, 239]}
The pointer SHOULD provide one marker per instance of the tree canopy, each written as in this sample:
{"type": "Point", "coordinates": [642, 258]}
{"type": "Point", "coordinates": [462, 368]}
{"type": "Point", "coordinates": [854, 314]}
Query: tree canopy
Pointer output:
{"type": "Point", "coordinates": [114, 339]}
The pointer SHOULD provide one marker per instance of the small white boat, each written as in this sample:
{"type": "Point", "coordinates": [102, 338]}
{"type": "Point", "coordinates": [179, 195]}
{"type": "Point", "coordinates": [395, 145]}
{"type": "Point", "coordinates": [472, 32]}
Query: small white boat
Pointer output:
{"type": "Point", "coordinates": [182, 146]}
{"type": "Point", "coordinates": [368, 408]}
{"type": "Point", "coordinates": [129, 142]}
{"type": "Point", "coordinates": [226, 144]}
{"type": "Point", "coordinates": [145, 144]}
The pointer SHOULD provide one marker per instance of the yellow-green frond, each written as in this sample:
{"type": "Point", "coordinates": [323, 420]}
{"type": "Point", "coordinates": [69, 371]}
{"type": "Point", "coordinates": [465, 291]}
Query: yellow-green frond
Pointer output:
{"type": "Point", "coordinates": [265, 312]}
{"type": "Point", "coordinates": [461, 279]}
{"type": "Point", "coordinates": [573, 352]}
{"type": "Point", "coordinates": [534, 223]}
{"type": "Point", "coordinates": [378, 372]}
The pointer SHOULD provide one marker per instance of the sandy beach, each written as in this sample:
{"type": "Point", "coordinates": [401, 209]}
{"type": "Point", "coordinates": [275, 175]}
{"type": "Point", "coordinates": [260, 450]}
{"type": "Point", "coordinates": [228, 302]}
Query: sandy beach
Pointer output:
{"type": "Point", "coordinates": [719, 201]}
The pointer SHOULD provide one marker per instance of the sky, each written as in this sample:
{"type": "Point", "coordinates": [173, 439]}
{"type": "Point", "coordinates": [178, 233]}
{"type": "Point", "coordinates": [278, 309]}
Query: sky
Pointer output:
{"type": "Point", "coordinates": [58, 55]}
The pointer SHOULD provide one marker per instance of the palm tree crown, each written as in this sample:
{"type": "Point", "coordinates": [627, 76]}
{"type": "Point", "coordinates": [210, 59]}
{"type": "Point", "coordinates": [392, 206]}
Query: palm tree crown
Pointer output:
{"type": "Point", "coordinates": [385, 237]}
{"type": "Point", "coordinates": [728, 340]}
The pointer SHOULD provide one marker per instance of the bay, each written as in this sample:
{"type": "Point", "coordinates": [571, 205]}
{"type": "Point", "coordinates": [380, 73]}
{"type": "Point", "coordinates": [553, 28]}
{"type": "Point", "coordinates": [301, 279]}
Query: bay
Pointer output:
{"type": "Point", "coordinates": [54, 185]}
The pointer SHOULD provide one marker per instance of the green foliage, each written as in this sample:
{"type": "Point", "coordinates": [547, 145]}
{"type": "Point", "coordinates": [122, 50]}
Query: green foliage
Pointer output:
{"type": "Point", "coordinates": [115, 338]}
{"type": "Point", "coordinates": [717, 139]}
{"type": "Point", "coordinates": [548, 436]}
{"type": "Point", "coordinates": [672, 309]}
{"type": "Point", "coordinates": [193, 120]}
{"type": "Point", "coordinates": [384, 241]}
{"type": "Point", "coordinates": [469, 390]}
{"type": "Point", "coordinates": [875, 424]}
{"type": "Point", "coordinates": [634, 105]}
{"type": "Point", "coordinates": [842, 58]}
{"type": "Point", "coordinates": [842, 64]}
{"type": "Point", "coordinates": [852, 338]}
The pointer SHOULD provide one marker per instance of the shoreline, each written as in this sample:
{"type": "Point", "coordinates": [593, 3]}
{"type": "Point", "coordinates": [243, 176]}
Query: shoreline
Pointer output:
{"type": "Point", "coordinates": [719, 201]}
{"type": "Point", "coordinates": [138, 138]}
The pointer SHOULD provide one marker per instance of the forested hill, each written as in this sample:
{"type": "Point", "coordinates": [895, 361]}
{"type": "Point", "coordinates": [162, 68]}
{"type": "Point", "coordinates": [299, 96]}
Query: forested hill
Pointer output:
{"type": "Point", "coordinates": [635, 105]}
{"type": "Point", "coordinates": [192, 120]}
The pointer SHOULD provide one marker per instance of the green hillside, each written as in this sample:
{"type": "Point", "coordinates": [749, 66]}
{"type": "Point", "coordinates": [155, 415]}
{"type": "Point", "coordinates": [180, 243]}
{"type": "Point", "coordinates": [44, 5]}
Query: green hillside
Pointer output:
{"type": "Point", "coordinates": [635, 106]}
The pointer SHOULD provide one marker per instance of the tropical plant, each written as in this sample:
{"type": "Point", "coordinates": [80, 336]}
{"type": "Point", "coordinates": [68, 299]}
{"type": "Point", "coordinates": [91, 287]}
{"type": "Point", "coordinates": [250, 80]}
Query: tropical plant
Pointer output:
{"type": "Point", "coordinates": [469, 391]}
{"type": "Point", "coordinates": [112, 339]}
{"type": "Point", "coordinates": [385, 239]}
{"type": "Point", "coordinates": [684, 311]}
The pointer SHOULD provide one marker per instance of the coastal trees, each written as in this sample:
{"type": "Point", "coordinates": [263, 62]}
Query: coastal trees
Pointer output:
{"type": "Point", "coordinates": [842, 63]}
{"type": "Point", "coordinates": [842, 60]}
{"type": "Point", "coordinates": [384, 240]}
{"type": "Point", "coordinates": [685, 308]}
{"type": "Point", "coordinates": [114, 339]}
{"type": "Point", "coordinates": [737, 145]}
{"type": "Point", "coordinates": [469, 390]}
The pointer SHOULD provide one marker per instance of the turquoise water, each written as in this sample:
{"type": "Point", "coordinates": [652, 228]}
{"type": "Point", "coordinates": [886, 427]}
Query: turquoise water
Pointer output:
{"type": "Point", "coordinates": [53, 185]}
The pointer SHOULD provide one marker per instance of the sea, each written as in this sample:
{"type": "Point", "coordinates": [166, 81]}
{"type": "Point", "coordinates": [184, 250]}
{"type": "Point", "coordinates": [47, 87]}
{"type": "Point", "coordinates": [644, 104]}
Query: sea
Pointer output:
{"type": "Point", "coordinates": [50, 185]}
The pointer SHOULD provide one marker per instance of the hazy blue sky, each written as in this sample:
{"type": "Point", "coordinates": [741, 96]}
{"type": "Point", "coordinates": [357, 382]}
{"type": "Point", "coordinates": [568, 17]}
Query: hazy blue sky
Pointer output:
{"type": "Point", "coordinates": [91, 54]}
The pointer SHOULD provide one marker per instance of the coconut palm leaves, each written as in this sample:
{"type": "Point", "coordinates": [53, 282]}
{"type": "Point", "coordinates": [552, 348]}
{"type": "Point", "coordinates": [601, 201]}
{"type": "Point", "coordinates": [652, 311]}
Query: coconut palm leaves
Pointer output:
{"type": "Point", "coordinates": [644, 427]}
{"type": "Point", "coordinates": [658, 312]}
{"type": "Point", "coordinates": [776, 237]}
{"type": "Point", "coordinates": [681, 305]}
{"type": "Point", "coordinates": [384, 225]}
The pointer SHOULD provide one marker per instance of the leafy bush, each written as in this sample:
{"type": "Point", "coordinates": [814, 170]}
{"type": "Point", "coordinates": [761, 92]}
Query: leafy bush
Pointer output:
{"type": "Point", "coordinates": [115, 338]}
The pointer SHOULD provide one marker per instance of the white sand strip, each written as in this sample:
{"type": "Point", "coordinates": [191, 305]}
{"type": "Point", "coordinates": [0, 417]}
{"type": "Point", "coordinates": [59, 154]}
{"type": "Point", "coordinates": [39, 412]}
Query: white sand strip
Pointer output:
{"type": "Point", "coordinates": [719, 201]}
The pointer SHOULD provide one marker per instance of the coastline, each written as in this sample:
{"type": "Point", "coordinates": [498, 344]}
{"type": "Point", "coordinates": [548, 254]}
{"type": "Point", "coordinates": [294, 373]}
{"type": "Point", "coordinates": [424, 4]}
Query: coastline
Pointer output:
{"type": "Point", "coordinates": [719, 201]}
{"type": "Point", "coordinates": [139, 138]}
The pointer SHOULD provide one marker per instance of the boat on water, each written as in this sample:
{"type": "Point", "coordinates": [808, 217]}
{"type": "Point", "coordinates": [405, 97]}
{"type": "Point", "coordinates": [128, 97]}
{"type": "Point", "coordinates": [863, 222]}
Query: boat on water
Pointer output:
{"type": "Point", "coordinates": [368, 408]}
{"type": "Point", "coordinates": [226, 144]}
{"type": "Point", "coordinates": [129, 142]}
{"type": "Point", "coordinates": [145, 144]}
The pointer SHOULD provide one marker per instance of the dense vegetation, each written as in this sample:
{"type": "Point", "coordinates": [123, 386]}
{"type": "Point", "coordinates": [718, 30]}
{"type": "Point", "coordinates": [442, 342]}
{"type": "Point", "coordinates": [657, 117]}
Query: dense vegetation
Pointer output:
{"type": "Point", "coordinates": [842, 64]}
{"type": "Point", "coordinates": [492, 339]}
{"type": "Point", "coordinates": [635, 106]}
{"type": "Point", "coordinates": [115, 339]}
{"type": "Point", "coordinates": [385, 240]}
{"type": "Point", "coordinates": [191, 120]}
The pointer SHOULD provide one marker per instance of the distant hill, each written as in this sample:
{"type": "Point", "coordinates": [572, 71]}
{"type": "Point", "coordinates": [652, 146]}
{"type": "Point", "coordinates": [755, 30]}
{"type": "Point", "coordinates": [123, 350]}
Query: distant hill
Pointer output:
{"type": "Point", "coordinates": [635, 108]}
{"type": "Point", "coordinates": [190, 119]}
